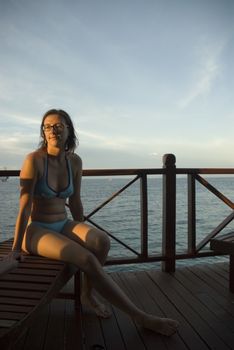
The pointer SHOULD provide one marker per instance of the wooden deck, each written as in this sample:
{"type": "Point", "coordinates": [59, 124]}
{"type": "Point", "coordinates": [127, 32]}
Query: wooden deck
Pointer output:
{"type": "Point", "coordinates": [197, 296]}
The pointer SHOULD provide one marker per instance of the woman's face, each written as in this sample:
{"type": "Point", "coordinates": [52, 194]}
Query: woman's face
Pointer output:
{"type": "Point", "coordinates": [55, 130]}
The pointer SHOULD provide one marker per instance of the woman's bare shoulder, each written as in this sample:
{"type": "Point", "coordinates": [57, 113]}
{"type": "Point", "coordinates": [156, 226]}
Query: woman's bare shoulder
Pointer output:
{"type": "Point", "coordinates": [76, 160]}
{"type": "Point", "coordinates": [76, 164]}
{"type": "Point", "coordinates": [35, 155]}
{"type": "Point", "coordinates": [33, 160]}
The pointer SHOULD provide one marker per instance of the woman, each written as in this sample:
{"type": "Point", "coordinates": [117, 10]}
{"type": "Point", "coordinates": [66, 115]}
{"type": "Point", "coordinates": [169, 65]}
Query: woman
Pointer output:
{"type": "Point", "coordinates": [49, 176]}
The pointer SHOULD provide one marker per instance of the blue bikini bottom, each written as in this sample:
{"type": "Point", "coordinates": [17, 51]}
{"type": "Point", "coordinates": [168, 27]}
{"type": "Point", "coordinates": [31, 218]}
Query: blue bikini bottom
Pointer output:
{"type": "Point", "coordinates": [53, 226]}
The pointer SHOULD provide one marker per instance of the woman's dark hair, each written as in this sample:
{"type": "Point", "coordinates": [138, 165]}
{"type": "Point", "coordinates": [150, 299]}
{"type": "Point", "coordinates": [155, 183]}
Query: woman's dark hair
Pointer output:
{"type": "Point", "coordinates": [72, 140]}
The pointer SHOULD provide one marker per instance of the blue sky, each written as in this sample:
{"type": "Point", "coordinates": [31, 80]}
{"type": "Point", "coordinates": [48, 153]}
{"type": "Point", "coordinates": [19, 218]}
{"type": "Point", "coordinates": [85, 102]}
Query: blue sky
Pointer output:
{"type": "Point", "coordinates": [140, 78]}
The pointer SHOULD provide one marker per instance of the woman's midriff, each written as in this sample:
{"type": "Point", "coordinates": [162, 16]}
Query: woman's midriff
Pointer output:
{"type": "Point", "coordinates": [48, 210]}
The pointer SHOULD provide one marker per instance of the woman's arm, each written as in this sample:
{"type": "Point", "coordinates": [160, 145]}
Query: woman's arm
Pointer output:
{"type": "Point", "coordinates": [75, 203]}
{"type": "Point", "coordinates": [27, 183]}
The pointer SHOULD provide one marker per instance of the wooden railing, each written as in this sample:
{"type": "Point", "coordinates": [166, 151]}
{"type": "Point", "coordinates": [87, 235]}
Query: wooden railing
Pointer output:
{"type": "Point", "coordinates": [169, 173]}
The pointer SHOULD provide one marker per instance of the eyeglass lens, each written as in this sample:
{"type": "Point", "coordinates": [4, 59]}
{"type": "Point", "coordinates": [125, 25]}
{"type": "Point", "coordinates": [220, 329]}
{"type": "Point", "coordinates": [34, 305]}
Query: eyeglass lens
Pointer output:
{"type": "Point", "coordinates": [56, 127]}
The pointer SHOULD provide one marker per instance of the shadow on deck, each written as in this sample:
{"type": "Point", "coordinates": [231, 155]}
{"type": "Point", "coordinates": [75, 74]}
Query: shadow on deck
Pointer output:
{"type": "Point", "coordinates": [197, 296]}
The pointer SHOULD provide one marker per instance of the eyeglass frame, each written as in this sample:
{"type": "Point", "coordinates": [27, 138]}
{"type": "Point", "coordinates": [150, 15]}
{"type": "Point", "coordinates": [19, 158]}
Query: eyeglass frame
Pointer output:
{"type": "Point", "coordinates": [55, 127]}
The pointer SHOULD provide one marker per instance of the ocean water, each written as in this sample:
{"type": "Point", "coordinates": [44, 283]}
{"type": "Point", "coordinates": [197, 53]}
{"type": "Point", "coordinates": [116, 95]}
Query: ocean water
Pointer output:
{"type": "Point", "coordinates": [121, 217]}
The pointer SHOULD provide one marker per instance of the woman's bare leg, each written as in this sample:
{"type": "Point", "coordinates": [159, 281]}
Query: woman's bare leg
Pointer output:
{"type": "Point", "coordinates": [56, 246]}
{"type": "Point", "coordinates": [98, 243]}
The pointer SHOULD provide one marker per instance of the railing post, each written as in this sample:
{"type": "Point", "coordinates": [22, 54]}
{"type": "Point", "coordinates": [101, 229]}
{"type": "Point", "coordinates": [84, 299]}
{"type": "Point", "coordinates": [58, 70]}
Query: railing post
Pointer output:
{"type": "Point", "coordinates": [191, 214]}
{"type": "Point", "coordinates": [144, 216]}
{"type": "Point", "coordinates": [169, 212]}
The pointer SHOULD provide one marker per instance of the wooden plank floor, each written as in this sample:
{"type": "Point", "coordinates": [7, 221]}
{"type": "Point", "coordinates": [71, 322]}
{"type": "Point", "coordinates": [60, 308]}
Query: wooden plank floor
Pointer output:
{"type": "Point", "coordinates": [197, 296]}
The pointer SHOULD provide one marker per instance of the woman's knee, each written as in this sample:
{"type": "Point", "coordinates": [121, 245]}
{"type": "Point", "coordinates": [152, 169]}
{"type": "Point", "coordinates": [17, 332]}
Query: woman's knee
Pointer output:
{"type": "Point", "coordinates": [102, 242]}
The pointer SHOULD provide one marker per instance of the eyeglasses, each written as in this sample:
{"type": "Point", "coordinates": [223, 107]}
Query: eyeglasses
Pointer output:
{"type": "Point", "coordinates": [58, 127]}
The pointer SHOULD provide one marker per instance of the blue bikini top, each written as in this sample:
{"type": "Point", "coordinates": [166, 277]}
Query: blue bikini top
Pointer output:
{"type": "Point", "coordinates": [42, 189]}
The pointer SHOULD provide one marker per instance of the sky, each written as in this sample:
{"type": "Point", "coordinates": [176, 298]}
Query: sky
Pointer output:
{"type": "Point", "coordinates": [140, 78]}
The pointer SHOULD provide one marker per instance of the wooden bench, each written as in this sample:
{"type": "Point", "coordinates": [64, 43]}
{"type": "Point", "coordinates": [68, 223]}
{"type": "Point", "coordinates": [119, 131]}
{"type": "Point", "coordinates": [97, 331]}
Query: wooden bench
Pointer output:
{"type": "Point", "coordinates": [25, 289]}
{"type": "Point", "coordinates": [225, 244]}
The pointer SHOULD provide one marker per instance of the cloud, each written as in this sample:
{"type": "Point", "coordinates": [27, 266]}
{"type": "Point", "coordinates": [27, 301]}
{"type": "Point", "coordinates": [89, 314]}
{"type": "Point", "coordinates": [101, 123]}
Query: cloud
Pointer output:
{"type": "Point", "coordinates": [18, 143]}
{"type": "Point", "coordinates": [153, 154]}
{"type": "Point", "coordinates": [103, 141]}
{"type": "Point", "coordinates": [21, 120]}
{"type": "Point", "coordinates": [209, 68]}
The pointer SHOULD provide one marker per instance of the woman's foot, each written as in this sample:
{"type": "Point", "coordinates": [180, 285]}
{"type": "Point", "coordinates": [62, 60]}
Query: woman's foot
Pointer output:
{"type": "Point", "coordinates": [99, 308]}
{"type": "Point", "coordinates": [165, 326]}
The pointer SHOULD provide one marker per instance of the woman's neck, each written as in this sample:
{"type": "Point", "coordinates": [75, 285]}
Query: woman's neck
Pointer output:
{"type": "Point", "coordinates": [55, 151]}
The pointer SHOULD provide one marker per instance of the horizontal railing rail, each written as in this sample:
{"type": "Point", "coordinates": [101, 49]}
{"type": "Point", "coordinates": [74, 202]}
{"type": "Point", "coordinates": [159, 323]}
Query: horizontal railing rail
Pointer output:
{"type": "Point", "coordinates": [169, 174]}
